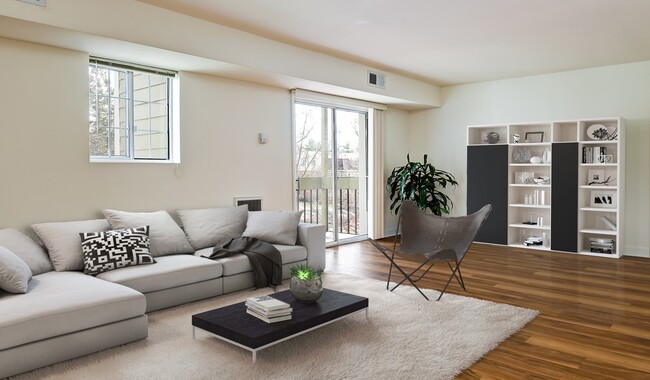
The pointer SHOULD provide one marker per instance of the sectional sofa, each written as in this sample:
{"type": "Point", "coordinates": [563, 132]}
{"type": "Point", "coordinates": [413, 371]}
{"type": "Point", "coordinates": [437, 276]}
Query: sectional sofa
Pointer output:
{"type": "Point", "coordinates": [79, 290]}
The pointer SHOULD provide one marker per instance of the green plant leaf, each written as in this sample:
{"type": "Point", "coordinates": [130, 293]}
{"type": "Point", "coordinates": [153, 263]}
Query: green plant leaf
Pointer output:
{"type": "Point", "coordinates": [420, 182]}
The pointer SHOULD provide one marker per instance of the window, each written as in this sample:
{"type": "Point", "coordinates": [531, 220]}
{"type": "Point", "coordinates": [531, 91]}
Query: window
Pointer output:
{"type": "Point", "coordinates": [131, 113]}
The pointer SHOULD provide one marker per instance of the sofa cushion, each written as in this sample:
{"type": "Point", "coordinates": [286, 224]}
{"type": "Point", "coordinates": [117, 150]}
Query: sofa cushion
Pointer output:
{"type": "Point", "coordinates": [14, 273]}
{"type": "Point", "coordinates": [166, 236]}
{"type": "Point", "coordinates": [169, 272]}
{"type": "Point", "coordinates": [206, 227]}
{"type": "Point", "coordinates": [63, 242]}
{"type": "Point", "coordinates": [239, 263]}
{"type": "Point", "coordinates": [27, 249]}
{"type": "Point", "coordinates": [276, 227]}
{"type": "Point", "coordinates": [109, 250]}
{"type": "Point", "coordinates": [58, 303]}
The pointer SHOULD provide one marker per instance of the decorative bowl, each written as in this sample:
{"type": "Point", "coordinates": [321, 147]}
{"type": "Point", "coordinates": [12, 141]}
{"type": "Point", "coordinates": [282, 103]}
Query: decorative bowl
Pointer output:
{"type": "Point", "coordinates": [542, 180]}
{"type": "Point", "coordinates": [535, 160]}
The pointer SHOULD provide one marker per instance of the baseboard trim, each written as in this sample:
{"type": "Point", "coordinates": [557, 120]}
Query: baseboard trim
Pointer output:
{"type": "Point", "coordinates": [637, 251]}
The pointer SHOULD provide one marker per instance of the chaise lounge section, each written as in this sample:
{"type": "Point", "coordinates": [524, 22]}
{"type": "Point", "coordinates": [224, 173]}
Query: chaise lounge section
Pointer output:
{"type": "Point", "coordinates": [65, 313]}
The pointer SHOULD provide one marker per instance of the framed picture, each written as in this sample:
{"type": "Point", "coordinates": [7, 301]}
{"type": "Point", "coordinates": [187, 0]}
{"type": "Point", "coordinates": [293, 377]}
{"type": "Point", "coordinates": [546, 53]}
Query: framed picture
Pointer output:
{"type": "Point", "coordinates": [534, 137]}
{"type": "Point", "coordinates": [603, 199]}
{"type": "Point", "coordinates": [596, 177]}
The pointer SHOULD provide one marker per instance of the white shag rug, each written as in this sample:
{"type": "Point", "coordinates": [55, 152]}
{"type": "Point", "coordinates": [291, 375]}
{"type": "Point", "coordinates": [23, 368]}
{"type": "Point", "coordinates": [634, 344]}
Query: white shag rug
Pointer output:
{"type": "Point", "coordinates": [404, 337]}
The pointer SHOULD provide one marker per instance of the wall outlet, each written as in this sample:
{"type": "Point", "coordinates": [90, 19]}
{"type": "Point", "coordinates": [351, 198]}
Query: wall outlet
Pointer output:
{"type": "Point", "coordinates": [35, 2]}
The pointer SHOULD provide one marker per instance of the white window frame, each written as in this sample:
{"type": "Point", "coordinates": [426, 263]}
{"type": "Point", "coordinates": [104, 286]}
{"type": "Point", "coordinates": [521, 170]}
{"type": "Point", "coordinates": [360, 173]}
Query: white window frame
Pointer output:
{"type": "Point", "coordinates": [173, 122]}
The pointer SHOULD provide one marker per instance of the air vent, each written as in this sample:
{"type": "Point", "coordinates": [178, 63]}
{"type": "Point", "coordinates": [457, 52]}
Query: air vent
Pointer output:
{"type": "Point", "coordinates": [254, 203]}
{"type": "Point", "coordinates": [376, 79]}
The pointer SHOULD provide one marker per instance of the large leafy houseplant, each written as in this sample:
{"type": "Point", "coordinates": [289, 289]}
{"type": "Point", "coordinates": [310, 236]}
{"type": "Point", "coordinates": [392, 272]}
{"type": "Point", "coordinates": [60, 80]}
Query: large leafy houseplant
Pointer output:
{"type": "Point", "coordinates": [420, 182]}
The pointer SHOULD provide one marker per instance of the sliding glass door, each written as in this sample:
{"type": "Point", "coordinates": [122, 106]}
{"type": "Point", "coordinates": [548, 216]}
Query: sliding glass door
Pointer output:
{"type": "Point", "coordinates": [331, 169]}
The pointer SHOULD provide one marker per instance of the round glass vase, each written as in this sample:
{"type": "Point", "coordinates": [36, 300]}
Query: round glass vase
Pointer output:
{"type": "Point", "coordinates": [306, 291]}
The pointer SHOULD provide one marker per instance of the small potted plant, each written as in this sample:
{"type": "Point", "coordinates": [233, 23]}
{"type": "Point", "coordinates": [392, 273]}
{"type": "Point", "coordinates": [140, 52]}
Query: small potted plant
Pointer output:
{"type": "Point", "coordinates": [306, 283]}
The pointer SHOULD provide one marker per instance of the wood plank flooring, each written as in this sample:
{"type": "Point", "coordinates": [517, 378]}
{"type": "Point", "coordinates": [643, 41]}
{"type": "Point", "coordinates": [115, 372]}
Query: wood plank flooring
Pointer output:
{"type": "Point", "coordinates": [594, 320]}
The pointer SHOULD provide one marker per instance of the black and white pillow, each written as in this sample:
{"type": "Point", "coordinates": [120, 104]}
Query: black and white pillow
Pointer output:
{"type": "Point", "coordinates": [108, 250]}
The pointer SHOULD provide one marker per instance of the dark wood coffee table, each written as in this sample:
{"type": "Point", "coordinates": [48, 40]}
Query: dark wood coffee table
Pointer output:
{"type": "Point", "coordinates": [233, 325]}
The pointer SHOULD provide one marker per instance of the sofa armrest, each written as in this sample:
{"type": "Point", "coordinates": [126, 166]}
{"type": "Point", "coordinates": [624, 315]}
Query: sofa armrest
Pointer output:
{"type": "Point", "coordinates": [312, 237]}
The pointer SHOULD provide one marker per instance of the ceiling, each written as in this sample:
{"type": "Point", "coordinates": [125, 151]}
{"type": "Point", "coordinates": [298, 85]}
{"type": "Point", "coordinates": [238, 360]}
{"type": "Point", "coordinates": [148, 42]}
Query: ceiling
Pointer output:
{"type": "Point", "coordinates": [446, 42]}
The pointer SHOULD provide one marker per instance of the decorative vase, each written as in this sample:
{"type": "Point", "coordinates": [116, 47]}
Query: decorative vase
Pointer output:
{"type": "Point", "coordinates": [306, 291]}
{"type": "Point", "coordinates": [491, 137]}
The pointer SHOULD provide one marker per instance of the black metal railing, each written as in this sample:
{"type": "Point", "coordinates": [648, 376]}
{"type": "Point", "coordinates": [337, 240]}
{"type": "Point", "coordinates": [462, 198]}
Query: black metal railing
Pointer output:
{"type": "Point", "coordinates": [316, 202]}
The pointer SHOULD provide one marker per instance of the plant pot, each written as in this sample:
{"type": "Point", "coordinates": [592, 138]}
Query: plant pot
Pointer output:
{"type": "Point", "coordinates": [306, 291]}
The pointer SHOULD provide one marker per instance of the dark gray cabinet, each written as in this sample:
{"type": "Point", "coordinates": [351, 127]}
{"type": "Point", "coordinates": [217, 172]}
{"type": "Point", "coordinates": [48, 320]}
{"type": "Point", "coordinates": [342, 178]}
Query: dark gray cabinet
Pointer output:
{"type": "Point", "coordinates": [487, 182]}
{"type": "Point", "coordinates": [564, 187]}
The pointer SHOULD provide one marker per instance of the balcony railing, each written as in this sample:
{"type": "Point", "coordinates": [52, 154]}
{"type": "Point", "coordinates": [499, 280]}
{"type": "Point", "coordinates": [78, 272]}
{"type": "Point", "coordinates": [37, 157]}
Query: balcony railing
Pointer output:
{"type": "Point", "coordinates": [316, 200]}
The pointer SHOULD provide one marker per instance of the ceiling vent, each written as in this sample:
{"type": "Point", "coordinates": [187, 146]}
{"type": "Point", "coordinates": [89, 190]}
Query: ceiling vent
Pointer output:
{"type": "Point", "coordinates": [376, 79]}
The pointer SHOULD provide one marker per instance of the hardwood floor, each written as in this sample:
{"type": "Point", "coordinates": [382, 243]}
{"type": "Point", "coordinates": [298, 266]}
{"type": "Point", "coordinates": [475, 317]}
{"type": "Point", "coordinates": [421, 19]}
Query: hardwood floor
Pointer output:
{"type": "Point", "coordinates": [594, 320]}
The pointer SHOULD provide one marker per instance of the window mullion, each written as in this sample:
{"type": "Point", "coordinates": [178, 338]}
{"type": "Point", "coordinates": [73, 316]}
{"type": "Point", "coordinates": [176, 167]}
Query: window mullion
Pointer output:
{"type": "Point", "coordinates": [131, 118]}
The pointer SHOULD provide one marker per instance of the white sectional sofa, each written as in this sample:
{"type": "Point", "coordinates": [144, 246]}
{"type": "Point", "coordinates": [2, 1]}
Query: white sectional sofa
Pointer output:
{"type": "Point", "coordinates": [65, 313]}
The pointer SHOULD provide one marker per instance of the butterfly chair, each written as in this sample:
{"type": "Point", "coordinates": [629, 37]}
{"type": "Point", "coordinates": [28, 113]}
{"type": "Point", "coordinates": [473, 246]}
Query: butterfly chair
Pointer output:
{"type": "Point", "coordinates": [427, 239]}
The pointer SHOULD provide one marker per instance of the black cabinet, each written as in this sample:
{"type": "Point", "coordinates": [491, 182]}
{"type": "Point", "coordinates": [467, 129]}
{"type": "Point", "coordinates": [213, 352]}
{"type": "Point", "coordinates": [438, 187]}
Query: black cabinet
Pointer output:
{"type": "Point", "coordinates": [487, 182]}
{"type": "Point", "coordinates": [564, 187]}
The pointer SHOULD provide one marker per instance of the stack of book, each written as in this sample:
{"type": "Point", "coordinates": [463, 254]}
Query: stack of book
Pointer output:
{"type": "Point", "coordinates": [600, 245]}
{"type": "Point", "coordinates": [593, 154]}
{"type": "Point", "coordinates": [268, 309]}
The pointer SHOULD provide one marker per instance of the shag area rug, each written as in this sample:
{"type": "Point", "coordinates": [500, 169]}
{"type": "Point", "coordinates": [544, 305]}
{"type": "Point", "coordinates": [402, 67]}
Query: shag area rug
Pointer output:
{"type": "Point", "coordinates": [404, 337]}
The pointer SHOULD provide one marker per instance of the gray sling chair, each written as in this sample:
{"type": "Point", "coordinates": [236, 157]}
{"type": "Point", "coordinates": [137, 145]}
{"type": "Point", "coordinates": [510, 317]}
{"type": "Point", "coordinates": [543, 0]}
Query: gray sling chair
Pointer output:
{"type": "Point", "coordinates": [428, 239]}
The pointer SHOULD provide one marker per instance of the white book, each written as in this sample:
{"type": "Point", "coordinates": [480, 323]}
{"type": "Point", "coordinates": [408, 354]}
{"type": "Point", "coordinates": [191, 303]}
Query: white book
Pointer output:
{"type": "Point", "coordinates": [608, 222]}
{"type": "Point", "coordinates": [268, 303]}
{"type": "Point", "coordinates": [268, 319]}
{"type": "Point", "coordinates": [272, 313]}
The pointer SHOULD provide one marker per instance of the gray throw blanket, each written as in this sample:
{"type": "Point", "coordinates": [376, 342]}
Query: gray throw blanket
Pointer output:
{"type": "Point", "coordinates": [264, 257]}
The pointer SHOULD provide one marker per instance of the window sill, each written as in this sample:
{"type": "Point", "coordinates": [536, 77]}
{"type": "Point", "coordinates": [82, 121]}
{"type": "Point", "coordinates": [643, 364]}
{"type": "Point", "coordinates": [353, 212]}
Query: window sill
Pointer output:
{"type": "Point", "coordinates": [129, 161]}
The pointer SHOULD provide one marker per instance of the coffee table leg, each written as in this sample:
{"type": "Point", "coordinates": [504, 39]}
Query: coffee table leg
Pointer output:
{"type": "Point", "coordinates": [194, 331]}
{"type": "Point", "coordinates": [254, 356]}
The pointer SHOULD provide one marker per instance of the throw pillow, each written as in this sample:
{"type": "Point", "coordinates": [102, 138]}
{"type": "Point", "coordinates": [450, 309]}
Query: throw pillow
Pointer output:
{"type": "Point", "coordinates": [14, 273]}
{"type": "Point", "coordinates": [166, 236]}
{"type": "Point", "coordinates": [206, 227]}
{"type": "Point", "coordinates": [26, 249]}
{"type": "Point", "coordinates": [63, 243]}
{"type": "Point", "coordinates": [277, 227]}
{"type": "Point", "coordinates": [107, 250]}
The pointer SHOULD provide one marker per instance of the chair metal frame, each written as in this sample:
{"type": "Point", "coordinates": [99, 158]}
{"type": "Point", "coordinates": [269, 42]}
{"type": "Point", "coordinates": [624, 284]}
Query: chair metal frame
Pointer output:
{"type": "Point", "coordinates": [440, 251]}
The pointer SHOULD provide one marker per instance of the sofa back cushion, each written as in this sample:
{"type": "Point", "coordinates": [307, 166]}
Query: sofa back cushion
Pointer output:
{"type": "Point", "coordinates": [63, 242]}
{"type": "Point", "coordinates": [166, 236]}
{"type": "Point", "coordinates": [14, 273]}
{"type": "Point", "coordinates": [276, 227]}
{"type": "Point", "coordinates": [27, 249]}
{"type": "Point", "coordinates": [206, 227]}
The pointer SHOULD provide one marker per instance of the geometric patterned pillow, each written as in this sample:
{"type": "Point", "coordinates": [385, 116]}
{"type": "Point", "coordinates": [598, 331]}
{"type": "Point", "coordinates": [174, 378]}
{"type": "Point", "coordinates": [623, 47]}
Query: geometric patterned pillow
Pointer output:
{"type": "Point", "coordinates": [108, 250]}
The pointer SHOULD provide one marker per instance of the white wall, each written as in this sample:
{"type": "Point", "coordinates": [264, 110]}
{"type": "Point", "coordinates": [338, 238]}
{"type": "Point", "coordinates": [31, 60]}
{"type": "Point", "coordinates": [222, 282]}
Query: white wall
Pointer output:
{"type": "Point", "coordinates": [44, 164]}
{"type": "Point", "coordinates": [621, 90]}
{"type": "Point", "coordinates": [160, 34]}
{"type": "Point", "coordinates": [396, 144]}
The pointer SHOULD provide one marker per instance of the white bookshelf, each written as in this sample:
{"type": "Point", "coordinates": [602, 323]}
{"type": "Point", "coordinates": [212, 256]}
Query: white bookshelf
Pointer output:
{"type": "Point", "coordinates": [532, 157]}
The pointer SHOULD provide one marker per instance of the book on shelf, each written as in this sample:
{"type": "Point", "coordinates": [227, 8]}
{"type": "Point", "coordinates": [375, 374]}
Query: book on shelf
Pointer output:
{"type": "Point", "coordinates": [269, 313]}
{"type": "Point", "coordinates": [602, 245]}
{"type": "Point", "coordinates": [268, 319]}
{"type": "Point", "coordinates": [608, 222]}
{"type": "Point", "coordinates": [593, 154]}
{"type": "Point", "coordinates": [267, 303]}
